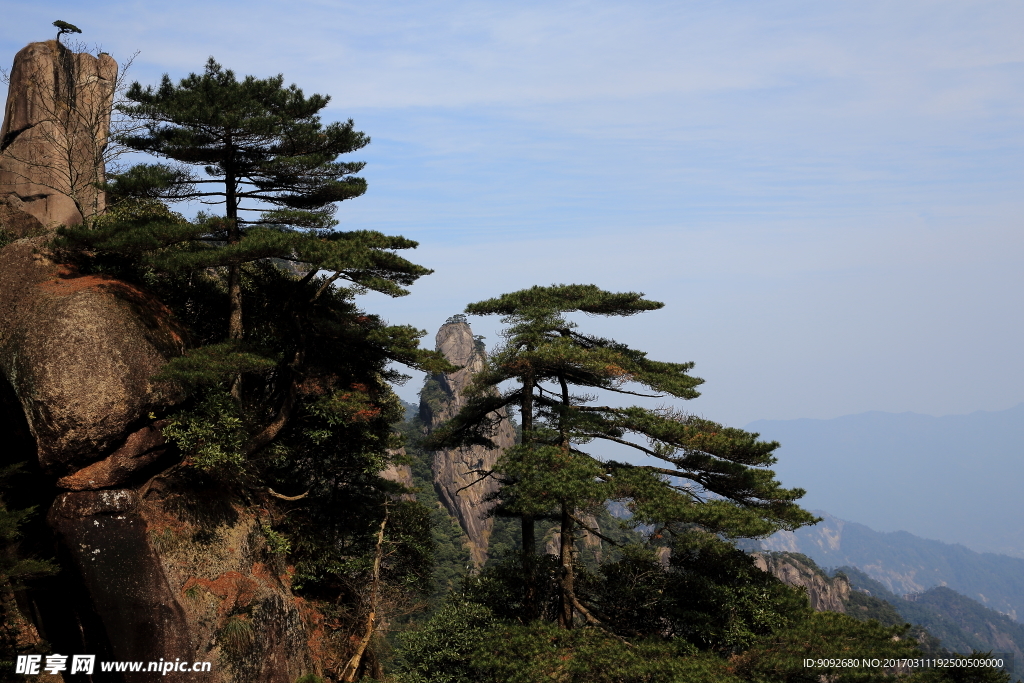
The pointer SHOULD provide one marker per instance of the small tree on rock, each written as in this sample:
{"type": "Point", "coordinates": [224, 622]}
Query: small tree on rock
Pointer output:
{"type": "Point", "coordinates": [64, 27]}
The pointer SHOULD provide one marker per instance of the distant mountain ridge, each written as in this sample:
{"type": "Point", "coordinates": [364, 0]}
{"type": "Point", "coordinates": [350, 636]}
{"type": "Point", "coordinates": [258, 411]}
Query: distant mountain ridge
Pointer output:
{"type": "Point", "coordinates": [905, 564]}
{"type": "Point", "coordinates": [960, 624]}
{"type": "Point", "coordinates": [957, 478]}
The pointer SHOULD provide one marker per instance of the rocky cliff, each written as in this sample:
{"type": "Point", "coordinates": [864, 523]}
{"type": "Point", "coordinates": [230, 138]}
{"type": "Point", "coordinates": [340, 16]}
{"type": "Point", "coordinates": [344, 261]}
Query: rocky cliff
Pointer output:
{"type": "Point", "coordinates": [456, 472]}
{"type": "Point", "coordinates": [825, 594]}
{"type": "Point", "coordinates": [585, 539]}
{"type": "Point", "coordinates": [153, 564]}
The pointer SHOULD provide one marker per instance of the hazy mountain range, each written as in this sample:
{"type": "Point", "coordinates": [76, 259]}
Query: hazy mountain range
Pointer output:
{"type": "Point", "coordinates": [905, 564]}
{"type": "Point", "coordinates": [960, 624]}
{"type": "Point", "coordinates": [957, 478]}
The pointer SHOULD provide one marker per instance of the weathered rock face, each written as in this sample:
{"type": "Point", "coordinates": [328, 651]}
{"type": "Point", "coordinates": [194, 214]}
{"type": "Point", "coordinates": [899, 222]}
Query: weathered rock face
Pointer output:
{"type": "Point", "coordinates": [585, 539]}
{"type": "Point", "coordinates": [15, 218]}
{"type": "Point", "coordinates": [459, 485]}
{"type": "Point", "coordinates": [106, 538]}
{"type": "Point", "coordinates": [825, 594]}
{"type": "Point", "coordinates": [55, 124]}
{"type": "Point", "coordinates": [184, 572]}
{"type": "Point", "coordinates": [400, 474]}
{"type": "Point", "coordinates": [79, 352]}
{"type": "Point", "coordinates": [234, 592]}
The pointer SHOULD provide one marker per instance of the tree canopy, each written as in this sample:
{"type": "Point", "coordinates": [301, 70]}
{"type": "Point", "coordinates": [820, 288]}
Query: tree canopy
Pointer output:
{"type": "Point", "coordinates": [260, 150]}
{"type": "Point", "coordinates": [64, 27]}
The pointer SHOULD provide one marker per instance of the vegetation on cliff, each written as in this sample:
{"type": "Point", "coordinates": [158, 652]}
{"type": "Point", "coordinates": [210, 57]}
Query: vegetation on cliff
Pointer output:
{"type": "Point", "coordinates": [294, 408]}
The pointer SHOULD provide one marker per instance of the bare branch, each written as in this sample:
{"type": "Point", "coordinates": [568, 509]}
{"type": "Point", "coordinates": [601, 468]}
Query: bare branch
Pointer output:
{"type": "Point", "coordinates": [352, 668]}
{"type": "Point", "coordinates": [648, 451]}
{"type": "Point", "coordinates": [486, 474]}
{"type": "Point", "coordinates": [275, 494]}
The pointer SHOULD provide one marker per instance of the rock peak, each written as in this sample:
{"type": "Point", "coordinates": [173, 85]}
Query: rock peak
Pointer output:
{"type": "Point", "coordinates": [457, 477]}
{"type": "Point", "coordinates": [55, 129]}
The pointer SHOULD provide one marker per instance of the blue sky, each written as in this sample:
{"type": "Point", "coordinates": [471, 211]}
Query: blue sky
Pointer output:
{"type": "Point", "coordinates": [827, 196]}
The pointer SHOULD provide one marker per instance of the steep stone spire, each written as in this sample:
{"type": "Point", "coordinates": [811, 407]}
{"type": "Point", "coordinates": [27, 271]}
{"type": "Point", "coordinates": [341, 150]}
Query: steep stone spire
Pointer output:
{"type": "Point", "coordinates": [54, 132]}
{"type": "Point", "coordinates": [456, 472]}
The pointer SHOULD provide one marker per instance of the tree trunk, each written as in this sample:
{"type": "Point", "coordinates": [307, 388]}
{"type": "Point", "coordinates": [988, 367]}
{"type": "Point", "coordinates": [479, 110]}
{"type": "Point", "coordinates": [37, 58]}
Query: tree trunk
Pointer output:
{"type": "Point", "coordinates": [568, 582]}
{"type": "Point", "coordinates": [235, 270]}
{"type": "Point", "coordinates": [530, 595]}
{"type": "Point", "coordinates": [567, 592]}
{"type": "Point", "coordinates": [352, 668]}
{"type": "Point", "coordinates": [235, 301]}
{"type": "Point", "coordinates": [235, 329]}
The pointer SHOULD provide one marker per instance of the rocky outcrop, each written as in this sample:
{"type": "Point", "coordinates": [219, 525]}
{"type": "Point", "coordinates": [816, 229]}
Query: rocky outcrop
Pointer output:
{"type": "Point", "coordinates": [80, 352]}
{"type": "Point", "coordinates": [584, 539]}
{"type": "Point", "coordinates": [457, 473]}
{"type": "Point", "coordinates": [54, 132]}
{"type": "Point", "coordinates": [400, 474]}
{"type": "Point", "coordinates": [106, 538]}
{"type": "Point", "coordinates": [153, 565]}
{"type": "Point", "coordinates": [825, 594]}
{"type": "Point", "coordinates": [234, 591]}
{"type": "Point", "coordinates": [15, 220]}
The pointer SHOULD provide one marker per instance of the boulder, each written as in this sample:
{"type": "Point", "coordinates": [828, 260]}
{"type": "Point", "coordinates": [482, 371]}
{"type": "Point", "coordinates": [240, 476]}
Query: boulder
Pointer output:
{"type": "Point", "coordinates": [80, 352]}
{"type": "Point", "coordinates": [234, 589]}
{"type": "Point", "coordinates": [15, 220]}
{"type": "Point", "coordinates": [182, 571]}
{"type": "Point", "coordinates": [107, 540]}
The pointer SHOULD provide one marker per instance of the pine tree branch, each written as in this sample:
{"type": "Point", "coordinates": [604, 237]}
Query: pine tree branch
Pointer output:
{"type": "Point", "coordinates": [331, 280]}
{"type": "Point", "coordinates": [638, 447]}
{"type": "Point", "coordinates": [591, 619]}
{"type": "Point", "coordinates": [631, 393]}
{"type": "Point", "coordinates": [486, 474]}
{"type": "Point", "coordinates": [594, 621]}
{"type": "Point", "coordinates": [270, 432]}
{"type": "Point", "coordinates": [594, 531]}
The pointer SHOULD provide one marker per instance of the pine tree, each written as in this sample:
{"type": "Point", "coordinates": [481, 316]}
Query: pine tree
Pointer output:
{"type": "Point", "coordinates": [272, 165]}
{"type": "Point", "coordinates": [270, 161]}
{"type": "Point", "coordinates": [707, 474]}
{"type": "Point", "coordinates": [64, 27]}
